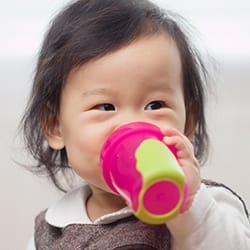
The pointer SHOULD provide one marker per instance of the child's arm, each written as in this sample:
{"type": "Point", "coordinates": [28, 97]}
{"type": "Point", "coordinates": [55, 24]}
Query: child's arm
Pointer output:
{"type": "Point", "coordinates": [216, 220]}
{"type": "Point", "coordinates": [214, 216]}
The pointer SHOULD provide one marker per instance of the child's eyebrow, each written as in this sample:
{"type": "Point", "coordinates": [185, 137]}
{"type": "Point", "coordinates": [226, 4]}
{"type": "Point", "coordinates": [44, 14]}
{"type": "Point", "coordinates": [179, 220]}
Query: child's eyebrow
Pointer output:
{"type": "Point", "coordinates": [160, 87]}
{"type": "Point", "coordinates": [97, 91]}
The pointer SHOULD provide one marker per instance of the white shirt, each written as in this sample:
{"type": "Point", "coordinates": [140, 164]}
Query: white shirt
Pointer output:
{"type": "Point", "coordinates": [216, 219]}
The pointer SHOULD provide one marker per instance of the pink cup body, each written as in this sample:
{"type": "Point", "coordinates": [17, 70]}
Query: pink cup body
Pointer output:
{"type": "Point", "coordinates": [118, 159]}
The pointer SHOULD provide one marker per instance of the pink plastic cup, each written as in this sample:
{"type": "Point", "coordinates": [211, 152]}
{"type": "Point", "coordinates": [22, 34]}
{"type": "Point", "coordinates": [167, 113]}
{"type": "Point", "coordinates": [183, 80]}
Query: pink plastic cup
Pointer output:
{"type": "Point", "coordinates": [137, 165]}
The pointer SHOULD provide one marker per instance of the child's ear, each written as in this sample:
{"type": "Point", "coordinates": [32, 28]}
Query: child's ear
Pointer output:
{"type": "Point", "coordinates": [52, 130]}
{"type": "Point", "coordinates": [191, 121]}
{"type": "Point", "coordinates": [54, 138]}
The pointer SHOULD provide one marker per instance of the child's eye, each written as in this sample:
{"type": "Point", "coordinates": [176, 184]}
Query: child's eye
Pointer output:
{"type": "Point", "coordinates": [155, 105]}
{"type": "Point", "coordinates": [105, 107]}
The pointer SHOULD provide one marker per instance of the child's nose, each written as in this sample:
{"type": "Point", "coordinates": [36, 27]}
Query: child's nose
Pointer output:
{"type": "Point", "coordinates": [131, 118]}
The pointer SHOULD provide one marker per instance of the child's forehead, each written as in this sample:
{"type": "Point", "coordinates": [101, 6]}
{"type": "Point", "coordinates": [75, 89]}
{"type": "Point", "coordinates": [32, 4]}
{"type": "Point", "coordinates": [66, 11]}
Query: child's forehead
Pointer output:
{"type": "Point", "coordinates": [143, 49]}
{"type": "Point", "coordinates": [150, 61]}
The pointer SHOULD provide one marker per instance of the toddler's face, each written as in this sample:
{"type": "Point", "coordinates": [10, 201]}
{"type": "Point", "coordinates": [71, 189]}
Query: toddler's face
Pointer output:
{"type": "Point", "coordinates": [139, 82]}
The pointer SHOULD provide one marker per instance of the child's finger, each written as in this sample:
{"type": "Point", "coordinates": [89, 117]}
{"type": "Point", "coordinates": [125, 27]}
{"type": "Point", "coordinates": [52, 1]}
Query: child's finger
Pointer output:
{"type": "Point", "coordinates": [180, 146]}
{"type": "Point", "coordinates": [169, 132]}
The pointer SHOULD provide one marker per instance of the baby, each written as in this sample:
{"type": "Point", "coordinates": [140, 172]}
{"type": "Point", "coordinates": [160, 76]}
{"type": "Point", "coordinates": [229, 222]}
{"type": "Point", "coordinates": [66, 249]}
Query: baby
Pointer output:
{"type": "Point", "coordinates": [103, 64]}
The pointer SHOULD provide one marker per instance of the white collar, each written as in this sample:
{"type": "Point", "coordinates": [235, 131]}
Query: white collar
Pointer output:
{"type": "Point", "coordinates": [70, 209]}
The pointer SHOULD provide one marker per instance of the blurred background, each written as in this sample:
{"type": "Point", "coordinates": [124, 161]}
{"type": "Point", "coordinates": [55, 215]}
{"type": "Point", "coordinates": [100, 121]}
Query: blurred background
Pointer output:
{"type": "Point", "coordinates": [223, 30]}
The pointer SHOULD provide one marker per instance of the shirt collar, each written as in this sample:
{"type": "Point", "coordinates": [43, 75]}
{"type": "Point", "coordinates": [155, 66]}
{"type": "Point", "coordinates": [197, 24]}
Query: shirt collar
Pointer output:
{"type": "Point", "coordinates": [70, 209]}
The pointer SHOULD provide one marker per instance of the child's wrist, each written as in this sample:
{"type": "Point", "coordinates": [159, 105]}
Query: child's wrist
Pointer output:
{"type": "Point", "coordinates": [190, 199]}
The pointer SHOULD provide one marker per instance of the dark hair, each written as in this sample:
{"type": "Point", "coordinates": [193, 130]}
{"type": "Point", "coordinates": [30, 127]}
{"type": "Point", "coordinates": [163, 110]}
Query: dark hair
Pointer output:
{"type": "Point", "coordinates": [89, 29]}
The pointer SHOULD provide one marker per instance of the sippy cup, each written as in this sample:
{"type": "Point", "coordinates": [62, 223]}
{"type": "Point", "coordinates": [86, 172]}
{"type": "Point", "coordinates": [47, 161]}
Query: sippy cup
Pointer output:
{"type": "Point", "coordinates": [139, 167]}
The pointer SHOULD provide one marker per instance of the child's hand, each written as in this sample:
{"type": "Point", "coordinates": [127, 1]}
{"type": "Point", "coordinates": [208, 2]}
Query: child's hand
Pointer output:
{"type": "Point", "coordinates": [186, 159]}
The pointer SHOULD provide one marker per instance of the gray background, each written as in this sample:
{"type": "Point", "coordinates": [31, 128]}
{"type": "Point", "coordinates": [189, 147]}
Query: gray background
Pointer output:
{"type": "Point", "coordinates": [223, 29]}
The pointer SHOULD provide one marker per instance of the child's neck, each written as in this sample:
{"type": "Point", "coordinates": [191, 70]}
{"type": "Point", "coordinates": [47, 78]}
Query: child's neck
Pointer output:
{"type": "Point", "coordinates": [101, 202]}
